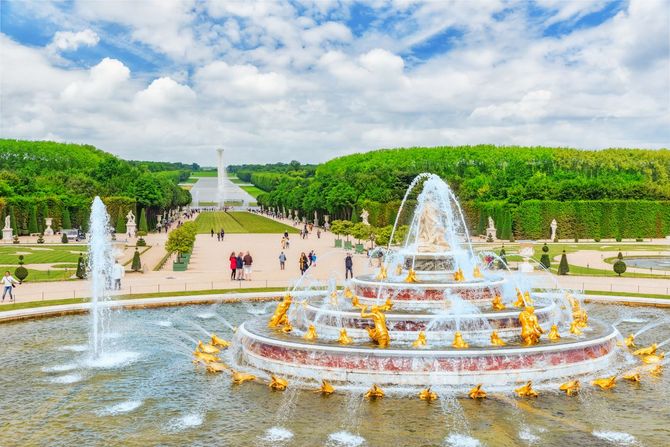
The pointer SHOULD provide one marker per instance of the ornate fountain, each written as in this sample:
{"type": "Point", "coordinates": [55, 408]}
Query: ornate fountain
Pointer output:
{"type": "Point", "coordinates": [434, 314]}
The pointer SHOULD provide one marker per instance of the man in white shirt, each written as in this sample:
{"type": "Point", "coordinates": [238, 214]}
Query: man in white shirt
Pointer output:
{"type": "Point", "coordinates": [117, 274]}
{"type": "Point", "coordinates": [8, 282]}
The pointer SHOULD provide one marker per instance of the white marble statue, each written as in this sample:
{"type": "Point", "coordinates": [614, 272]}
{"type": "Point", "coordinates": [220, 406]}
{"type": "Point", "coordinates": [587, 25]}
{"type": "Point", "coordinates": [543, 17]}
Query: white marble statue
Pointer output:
{"type": "Point", "coordinates": [316, 219]}
{"type": "Point", "coordinates": [491, 230]}
{"type": "Point", "coordinates": [8, 223]}
{"type": "Point", "coordinates": [431, 231]}
{"type": "Point", "coordinates": [7, 232]}
{"type": "Point", "coordinates": [364, 217]}
{"type": "Point", "coordinates": [130, 218]}
{"type": "Point", "coordinates": [554, 226]}
{"type": "Point", "coordinates": [491, 223]}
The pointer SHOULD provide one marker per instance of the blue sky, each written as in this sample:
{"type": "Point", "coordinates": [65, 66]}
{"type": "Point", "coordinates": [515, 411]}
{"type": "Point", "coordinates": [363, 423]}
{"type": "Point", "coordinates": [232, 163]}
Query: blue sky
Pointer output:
{"type": "Point", "coordinates": [316, 79]}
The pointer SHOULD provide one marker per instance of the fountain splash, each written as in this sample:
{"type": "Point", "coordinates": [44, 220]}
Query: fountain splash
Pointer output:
{"type": "Point", "coordinates": [100, 265]}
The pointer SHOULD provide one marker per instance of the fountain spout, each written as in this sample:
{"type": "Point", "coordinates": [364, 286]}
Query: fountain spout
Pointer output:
{"type": "Point", "coordinates": [280, 317]}
{"type": "Point", "coordinates": [530, 327]}
{"type": "Point", "coordinates": [379, 334]}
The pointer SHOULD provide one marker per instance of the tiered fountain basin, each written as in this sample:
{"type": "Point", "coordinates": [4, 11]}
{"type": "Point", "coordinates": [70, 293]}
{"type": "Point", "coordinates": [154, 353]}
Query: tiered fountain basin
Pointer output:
{"type": "Point", "coordinates": [277, 353]}
{"type": "Point", "coordinates": [404, 326]}
{"type": "Point", "coordinates": [425, 294]}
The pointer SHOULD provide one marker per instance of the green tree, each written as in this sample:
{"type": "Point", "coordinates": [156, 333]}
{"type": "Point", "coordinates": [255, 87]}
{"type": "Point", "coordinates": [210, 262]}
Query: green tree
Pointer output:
{"type": "Point", "coordinates": [137, 264]}
{"type": "Point", "coordinates": [81, 267]}
{"type": "Point", "coordinates": [620, 256]}
{"type": "Point", "coordinates": [120, 224]}
{"type": "Point", "coordinates": [66, 222]}
{"type": "Point", "coordinates": [143, 228]}
{"type": "Point", "coordinates": [544, 260]}
{"type": "Point", "coordinates": [181, 239]}
{"type": "Point", "coordinates": [12, 221]}
{"type": "Point", "coordinates": [21, 272]}
{"type": "Point", "coordinates": [619, 267]}
{"type": "Point", "coordinates": [563, 267]}
{"type": "Point", "coordinates": [361, 231]}
{"type": "Point", "coordinates": [33, 227]}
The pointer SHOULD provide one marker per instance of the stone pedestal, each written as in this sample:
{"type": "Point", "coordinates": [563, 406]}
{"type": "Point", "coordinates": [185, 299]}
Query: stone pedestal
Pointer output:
{"type": "Point", "coordinates": [48, 231]}
{"type": "Point", "coordinates": [131, 229]}
{"type": "Point", "coordinates": [7, 235]}
{"type": "Point", "coordinates": [491, 234]}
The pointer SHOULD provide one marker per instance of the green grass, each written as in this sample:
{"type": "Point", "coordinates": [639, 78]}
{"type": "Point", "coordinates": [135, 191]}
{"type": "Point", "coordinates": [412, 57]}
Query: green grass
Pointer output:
{"type": "Point", "coordinates": [58, 302]}
{"type": "Point", "coordinates": [43, 275]}
{"type": "Point", "coordinates": [238, 222]}
{"type": "Point", "coordinates": [635, 295]}
{"type": "Point", "coordinates": [41, 254]}
{"type": "Point", "coordinates": [190, 180]}
{"type": "Point", "coordinates": [253, 190]}
{"type": "Point", "coordinates": [236, 180]}
{"type": "Point", "coordinates": [204, 174]}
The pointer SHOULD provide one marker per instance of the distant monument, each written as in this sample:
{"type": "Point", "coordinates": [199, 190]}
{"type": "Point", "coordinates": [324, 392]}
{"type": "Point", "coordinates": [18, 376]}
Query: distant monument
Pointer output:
{"type": "Point", "coordinates": [131, 227]}
{"type": "Point", "coordinates": [554, 226]}
{"type": "Point", "coordinates": [364, 217]}
{"type": "Point", "coordinates": [7, 232]}
{"type": "Point", "coordinates": [491, 230]}
{"type": "Point", "coordinates": [48, 231]}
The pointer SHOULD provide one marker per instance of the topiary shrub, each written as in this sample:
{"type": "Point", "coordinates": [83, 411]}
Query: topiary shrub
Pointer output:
{"type": "Point", "coordinates": [15, 240]}
{"type": "Point", "coordinates": [639, 239]}
{"type": "Point", "coordinates": [40, 239]}
{"type": "Point", "coordinates": [620, 256]}
{"type": "Point", "coordinates": [141, 242]}
{"type": "Point", "coordinates": [63, 238]}
{"type": "Point", "coordinates": [597, 239]}
{"type": "Point", "coordinates": [21, 272]}
{"type": "Point", "coordinates": [502, 262]}
{"type": "Point", "coordinates": [619, 267]}
{"type": "Point", "coordinates": [137, 264]}
{"type": "Point", "coordinates": [489, 238]}
{"type": "Point", "coordinates": [544, 260]}
{"type": "Point", "coordinates": [618, 239]}
{"type": "Point", "coordinates": [143, 228]}
{"type": "Point", "coordinates": [81, 267]}
{"type": "Point", "coordinates": [555, 238]}
{"type": "Point", "coordinates": [563, 267]}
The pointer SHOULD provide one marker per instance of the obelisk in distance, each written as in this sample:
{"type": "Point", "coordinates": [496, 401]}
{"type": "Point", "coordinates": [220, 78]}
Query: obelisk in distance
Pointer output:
{"type": "Point", "coordinates": [221, 172]}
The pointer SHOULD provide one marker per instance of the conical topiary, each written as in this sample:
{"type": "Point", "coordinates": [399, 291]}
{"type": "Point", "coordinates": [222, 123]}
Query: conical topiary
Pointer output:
{"type": "Point", "coordinates": [143, 228]}
{"type": "Point", "coordinates": [137, 264]}
{"type": "Point", "coordinates": [81, 267]}
{"type": "Point", "coordinates": [32, 224]}
{"type": "Point", "coordinates": [563, 267]}
{"type": "Point", "coordinates": [502, 262]}
{"type": "Point", "coordinates": [63, 238]}
{"type": "Point", "coordinates": [544, 260]}
{"type": "Point", "coordinates": [620, 256]}
{"type": "Point", "coordinates": [65, 219]}
{"type": "Point", "coordinates": [21, 272]}
{"type": "Point", "coordinates": [120, 224]}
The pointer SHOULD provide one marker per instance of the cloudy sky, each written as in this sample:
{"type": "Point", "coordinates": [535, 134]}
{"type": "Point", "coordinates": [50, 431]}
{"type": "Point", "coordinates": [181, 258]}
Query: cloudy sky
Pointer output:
{"type": "Point", "coordinates": [314, 79]}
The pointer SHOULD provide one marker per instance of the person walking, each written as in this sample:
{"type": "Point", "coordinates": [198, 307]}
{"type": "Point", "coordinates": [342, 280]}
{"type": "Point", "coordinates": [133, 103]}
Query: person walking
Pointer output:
{"type": "Point", "coordinates": [218, 237]}
{"type": "Point", "coordinates": [240, 264]}
{"type": "Point", "coordinates": [232, 259]}
{"type": "Point", "coordinates": [212, 230]}
{"type": "Point", "coordinates": [318, 233]}
{"type": "Point", "coordinates": [348, 267]}
{"type": "Point", "coordinates": [117, 274]}
{"type": "Point", "coordinates": [9, 283]}
{"type": "Point", "coordinates": [303, 263]}
{"type": "Point", "coordinates": [248, 260]}
{"type": "Point", "coordinates": [282, 261]}
{"type": "Point", "coordinates": [313, 259]}
{"type": "Point", "coordinates": [223, 233]}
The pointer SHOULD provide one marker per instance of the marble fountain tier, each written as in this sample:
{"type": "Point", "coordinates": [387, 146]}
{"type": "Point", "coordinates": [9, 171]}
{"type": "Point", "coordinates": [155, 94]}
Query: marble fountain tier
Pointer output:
{"type": "Point", "coordinates": [432, 315]}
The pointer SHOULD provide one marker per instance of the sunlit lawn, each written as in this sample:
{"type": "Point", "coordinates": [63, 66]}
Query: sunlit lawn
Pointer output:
{"type": "Point", "coordinates": [41, 254]}
{"type": "Point", "coordinates": [238, 222]}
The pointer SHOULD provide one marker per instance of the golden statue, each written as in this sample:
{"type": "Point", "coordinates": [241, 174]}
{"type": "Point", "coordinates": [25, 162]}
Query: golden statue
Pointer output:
{"type": "Point", "coordinates": [477, 392]}
{"type": "Point", "coordinates": [526, 390]}
{"type": "Point", "coordinates": [605, 383]}
{"type": "Point", "coordinates": [527, 299]}
{"type": "Point", "coordinates": [382, 275]}
{"type": "Point", "coordinates": [379, 334]}
{"type": "Point", "coordinates": [310, 335]}
{"type": "Point", "coordinates": [519, 299]}
{"type": "Point", "coordinates": [646, 351]}
{"type": "Point", "coordinates": [530, 327]}
{"type": "Point", "coordinates": [629, 341]}
{"type": "Point", "coordinates": [427, 395]}
{"type": "Point", "coordinates": [420, 340]}
{"type": "Point", "coordinates": [553, 333]}
{"type": "Point", "coordinates": [221, 343]}
{"type": "Point", "coordinates": [398, 270]}
{"type": "Point", "coordinates": [411, 276]}
{"type": "Point", "coordinates": [496, 340]}
{"type": "Point", "coordinates": [374, 393]}
{"type": "Point", "coordinates": [280, 317]}
{"type": "Point", "coordinates": [287, 327]}
{"type": "Point", "coordinates": [476, 272]}
{"type": "Point", "coordinates": [578, 314]}
{"type": "Point", "coordinates": [571, 388]}
{"type": "Point", "coordinates": [652, 358]}
{"type": "Point", "coordinates": [333, 298]}
{"type": "Point", "coordinates": [632, 376]}
{"type": "Point", "coordinates": [344, 339]}
{"type": "Point", "coordinates": [458, 275]}
{"type": "Point", "coordinates": [497, 303]}
{"type": "Point", "coordinates": [656, 370]}
{"type": "Point", "coordinates": [574, 328]}
{"type": "Point", "coordinates": [388, 305]}
{"type": "Point", "coordinates": [277, 383]}
{"type": "Point", "coordinates": [326, 388]}
{"type": "Point", "coordinates": [207, 349]}
{"type": "Point", "coordinates": [216, 367]}
{"type": "Point", "coordinates": [459, 343]}
{"type": "Point", "coordinates": [240, 378]}
{"type": "Point", "coordinates": [356, 304]}
{"type": "Point", "coordinates": [431, 231]}
{"type": "Point", "coordinates": [348, 293]}
{"type": "Point", "coordinates": [207, 358]}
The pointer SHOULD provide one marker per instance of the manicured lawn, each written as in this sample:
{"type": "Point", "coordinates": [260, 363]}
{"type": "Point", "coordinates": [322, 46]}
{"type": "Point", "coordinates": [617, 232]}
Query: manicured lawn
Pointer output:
{"type": "Point", "coordinates": [43, 275]}
{"type": "Point", "coordinates": [238, 222]}
{"type": "Point", "coordinates": [236, 180]}
{"type": "Point", "coordinates": [41, 254]}
{"type": "Point", "coordinates": [253, 190]}
{"type": "Point", "coordinates": [204, 174]}
{"type": "Point", "coordinates": [190, 180]}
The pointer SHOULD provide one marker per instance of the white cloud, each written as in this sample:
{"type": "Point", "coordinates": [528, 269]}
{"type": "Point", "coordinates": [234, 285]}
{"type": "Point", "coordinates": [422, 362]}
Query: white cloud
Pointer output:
{"type": "Point", "coordinates": [239, 82]}
{"type": "Point", "coordinates": [103, 80]}
{"type": "Point", "coordinates": [70, 41]}
{"type": "Point", "coordinates": [165, 93]}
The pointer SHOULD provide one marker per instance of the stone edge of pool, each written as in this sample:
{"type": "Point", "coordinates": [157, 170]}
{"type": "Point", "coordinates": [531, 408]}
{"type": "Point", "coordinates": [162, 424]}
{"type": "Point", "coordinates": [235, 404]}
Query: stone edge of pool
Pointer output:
{"type": "Point", "coordinates": [147, 303]}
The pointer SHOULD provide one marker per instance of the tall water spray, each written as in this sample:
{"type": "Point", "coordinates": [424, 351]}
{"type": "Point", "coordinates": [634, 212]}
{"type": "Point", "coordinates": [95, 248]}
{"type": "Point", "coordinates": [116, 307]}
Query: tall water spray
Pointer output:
{"type": "Point", "coordinates": [100, 265]}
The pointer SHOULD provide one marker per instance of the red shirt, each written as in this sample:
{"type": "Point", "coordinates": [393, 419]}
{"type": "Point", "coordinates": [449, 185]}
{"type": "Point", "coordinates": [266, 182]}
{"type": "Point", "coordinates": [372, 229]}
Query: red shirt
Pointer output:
{"type": "Point", "coordinates": [233, 263]}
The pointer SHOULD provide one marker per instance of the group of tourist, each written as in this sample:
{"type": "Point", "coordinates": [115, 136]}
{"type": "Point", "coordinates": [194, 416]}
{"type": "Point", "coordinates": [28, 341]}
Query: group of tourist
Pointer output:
{"type": "Point", "coordinates": [240, 266]}
{"type": "Point", "coordinates": [219, 234]}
